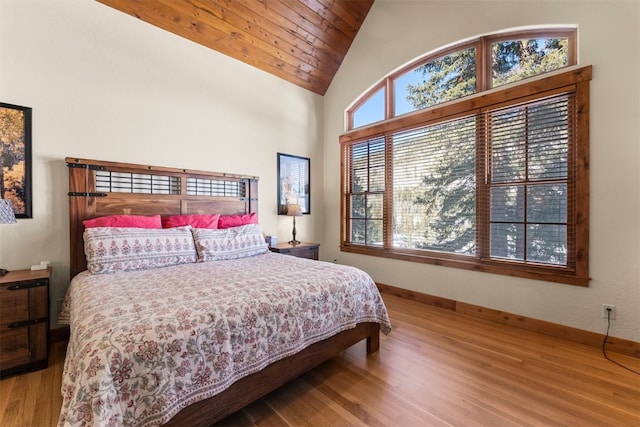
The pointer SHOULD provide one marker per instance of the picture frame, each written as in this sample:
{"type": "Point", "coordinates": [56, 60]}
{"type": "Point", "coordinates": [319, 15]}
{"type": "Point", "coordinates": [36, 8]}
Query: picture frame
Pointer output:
{"type": "Point", "coordinates": [294, 183]}
{"type": "Point", "coordinates": [15, 157]}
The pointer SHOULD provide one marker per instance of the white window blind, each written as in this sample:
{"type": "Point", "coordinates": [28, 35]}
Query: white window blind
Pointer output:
{"type": "Point", "coordinates": [530, 195]}
{"type": "Point", "coordinates": [434, 180]}
{"type": "Point", "coordinates": [367, 189]}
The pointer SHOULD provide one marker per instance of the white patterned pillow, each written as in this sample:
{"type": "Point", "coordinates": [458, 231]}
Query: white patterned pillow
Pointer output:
{"type": "Point", "coordinates": [229, 243]}
{"type": "Point", "coordinates": [113, 249]}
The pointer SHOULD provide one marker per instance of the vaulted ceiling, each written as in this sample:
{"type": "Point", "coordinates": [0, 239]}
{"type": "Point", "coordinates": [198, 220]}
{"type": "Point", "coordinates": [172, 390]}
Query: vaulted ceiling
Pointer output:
{"type": "Point", "coordinates": [301, 41]}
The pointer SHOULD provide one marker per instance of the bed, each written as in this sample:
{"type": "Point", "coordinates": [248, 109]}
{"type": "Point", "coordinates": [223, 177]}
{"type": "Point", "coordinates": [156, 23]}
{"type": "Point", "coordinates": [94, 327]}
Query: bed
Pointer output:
{"type": "Point", "coordinates": [191, 336]}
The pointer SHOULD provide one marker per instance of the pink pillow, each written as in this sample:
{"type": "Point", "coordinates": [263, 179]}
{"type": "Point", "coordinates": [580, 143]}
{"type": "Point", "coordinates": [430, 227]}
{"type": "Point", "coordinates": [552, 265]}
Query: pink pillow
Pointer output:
{"type": "Point", "coordinates": [137, 221]}
{"type": "Point", "coordinates": [228, 221]}
{"type": "Point", "coordinates": [196, 221]}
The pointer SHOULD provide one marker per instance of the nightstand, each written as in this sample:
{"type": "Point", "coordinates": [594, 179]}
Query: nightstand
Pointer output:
{"type": "Point", "coordinates": [301, 250]}
{"type": "Point", "coordinates": [24, 321]}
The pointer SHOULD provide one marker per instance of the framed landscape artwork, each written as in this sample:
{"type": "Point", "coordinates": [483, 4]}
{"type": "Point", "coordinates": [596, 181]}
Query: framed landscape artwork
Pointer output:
{"type": "Point", "coordinates": [294, 183]}
{"type": "Point", "coordinates": [15, 157]}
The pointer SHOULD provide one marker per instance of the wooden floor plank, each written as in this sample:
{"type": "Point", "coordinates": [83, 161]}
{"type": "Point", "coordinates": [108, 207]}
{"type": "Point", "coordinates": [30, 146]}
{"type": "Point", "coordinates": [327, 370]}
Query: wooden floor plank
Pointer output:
{"type": "Point", "coordinates": [436, 368]}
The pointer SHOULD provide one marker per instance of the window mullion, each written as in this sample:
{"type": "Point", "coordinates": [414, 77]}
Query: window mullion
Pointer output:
{"type": "Point", "coordinates": [387, 216]}
{"type": "Point", "coordinates": [483, 171]}
{"type": "Point", "coordinates": [368, 215]}
{"type": "Point", "coordinates": [389, 103]}
{"type": "Point", "coordinates": [577, 176]}
{"type": "Point", "coordinates": [525, 231]}
{"type": "Point", "coordinates": [483, 65]}
{"type": "Point", "coordinates": [348, 190]}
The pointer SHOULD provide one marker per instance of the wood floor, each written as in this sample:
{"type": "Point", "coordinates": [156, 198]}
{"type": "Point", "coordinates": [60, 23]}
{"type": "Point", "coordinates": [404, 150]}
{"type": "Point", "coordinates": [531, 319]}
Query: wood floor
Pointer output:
{"type": "Point", "coordinates": [436, 368]}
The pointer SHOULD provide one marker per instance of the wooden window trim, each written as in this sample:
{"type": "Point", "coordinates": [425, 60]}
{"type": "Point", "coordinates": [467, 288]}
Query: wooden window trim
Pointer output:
{"type": "Point", "coordinates": [577, 80]}
{"type": "Point", "coordinates": [521, 91]}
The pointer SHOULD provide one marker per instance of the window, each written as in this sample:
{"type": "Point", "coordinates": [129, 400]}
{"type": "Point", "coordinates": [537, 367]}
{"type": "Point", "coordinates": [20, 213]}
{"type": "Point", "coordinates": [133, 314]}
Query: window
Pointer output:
{"type": "Point", "coordinates": [367, 191]}
{"type": "Point", "coordinates": [528, 181]}
{"type": "Point", "coordinates": [445, 78]}
{"type": "Point", "coordinates": [434, 186]}
{"type": "Point", "coordinates": [370, 111]}
{"type": "Point", "coordinates": [495, 183]}
{"type": "Point", "coordinates": [463, 70]}
{"type": "Point", "coordinates": [514, 60]}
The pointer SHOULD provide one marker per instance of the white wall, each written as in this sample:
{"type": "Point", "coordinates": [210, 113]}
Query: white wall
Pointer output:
{"type": "Point", "coordinates": [397, 31]}
{"type": "Point", "coordinates": [104, 85]}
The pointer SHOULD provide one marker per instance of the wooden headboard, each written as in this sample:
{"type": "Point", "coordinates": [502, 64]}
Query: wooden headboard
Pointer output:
{"type": "Point", "coordinates": [99, 188]}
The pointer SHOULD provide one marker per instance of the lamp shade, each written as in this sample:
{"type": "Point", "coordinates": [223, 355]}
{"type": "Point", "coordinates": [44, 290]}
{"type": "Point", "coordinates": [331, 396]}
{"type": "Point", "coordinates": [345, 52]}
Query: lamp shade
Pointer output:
{"type": "Point", "coordinates": [294, 210]}
{"type": "Point", "coordinates": [6, 212]}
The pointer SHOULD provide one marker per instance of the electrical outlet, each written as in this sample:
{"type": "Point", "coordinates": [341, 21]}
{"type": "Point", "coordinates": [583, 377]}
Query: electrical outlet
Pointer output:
{"type": "Point", "coordinates": [606, 308]}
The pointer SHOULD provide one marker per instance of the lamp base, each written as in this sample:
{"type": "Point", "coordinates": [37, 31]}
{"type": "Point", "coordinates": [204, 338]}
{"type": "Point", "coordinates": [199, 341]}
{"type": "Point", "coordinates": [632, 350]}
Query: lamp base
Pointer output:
{"type": "Point", "coordinates": [294, 242]}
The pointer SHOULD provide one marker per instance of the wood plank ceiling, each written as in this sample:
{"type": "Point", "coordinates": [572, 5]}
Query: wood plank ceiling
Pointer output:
{"type": "Point", "coordinates": [301, 41]}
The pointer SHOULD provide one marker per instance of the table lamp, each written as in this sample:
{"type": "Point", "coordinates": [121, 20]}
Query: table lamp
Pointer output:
{"type": "Point", "coordinates": [294, 210]}
{"type": "Point", "coordinates": [8, 217]}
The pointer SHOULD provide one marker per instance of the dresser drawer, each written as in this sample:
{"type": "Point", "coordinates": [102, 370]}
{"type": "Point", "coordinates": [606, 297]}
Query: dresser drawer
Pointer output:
{"type": "Point", "coordinates": [15, 347]}
{"type": "Point", "coordinates": [302, 250]}
{"type": "Point", "coordinates": [14, 306]}
{"type": "Point", "coordinates": [24, 321]}
{"type": "Point", "coordinates": [311, 253]}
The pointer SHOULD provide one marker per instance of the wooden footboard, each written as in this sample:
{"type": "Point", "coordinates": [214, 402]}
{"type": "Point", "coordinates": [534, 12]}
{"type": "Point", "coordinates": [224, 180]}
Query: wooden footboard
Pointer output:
{"type": "Point", "coordinates": [253, 387]}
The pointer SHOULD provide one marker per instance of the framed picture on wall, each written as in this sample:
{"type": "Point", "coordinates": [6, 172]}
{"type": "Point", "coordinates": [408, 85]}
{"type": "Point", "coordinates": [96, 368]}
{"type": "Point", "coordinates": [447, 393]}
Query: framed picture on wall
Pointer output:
{"type": "Point", "coordinates": [294, 183]}
{"type": "Point", "coordinates": [15, 157]}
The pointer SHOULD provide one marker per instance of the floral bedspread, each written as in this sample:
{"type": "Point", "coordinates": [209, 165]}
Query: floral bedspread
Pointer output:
{"type": "Point", "coordinates": [145, 344]}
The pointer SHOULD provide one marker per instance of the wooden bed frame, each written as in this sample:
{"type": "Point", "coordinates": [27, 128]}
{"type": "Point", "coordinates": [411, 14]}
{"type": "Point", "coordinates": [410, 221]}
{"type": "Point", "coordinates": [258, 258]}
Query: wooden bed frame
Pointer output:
{"type": "Point", "coordinates": [99, 188]}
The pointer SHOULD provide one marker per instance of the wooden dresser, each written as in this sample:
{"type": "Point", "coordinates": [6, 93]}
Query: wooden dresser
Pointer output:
{"type": "Point", "coordinates": [24, 321]}
{"type": "Point", "coordinates": [301, 250]}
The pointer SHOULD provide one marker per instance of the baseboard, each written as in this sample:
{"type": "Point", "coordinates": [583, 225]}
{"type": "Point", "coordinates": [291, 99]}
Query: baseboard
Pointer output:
{"type": "Point", "coordinates": [616, 345]}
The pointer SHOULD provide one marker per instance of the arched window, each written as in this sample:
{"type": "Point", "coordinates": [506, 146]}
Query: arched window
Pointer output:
{"type": "Point", "coordinates": [494, 181]}
{"type": "Point", "coordinates": [465, 69]}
